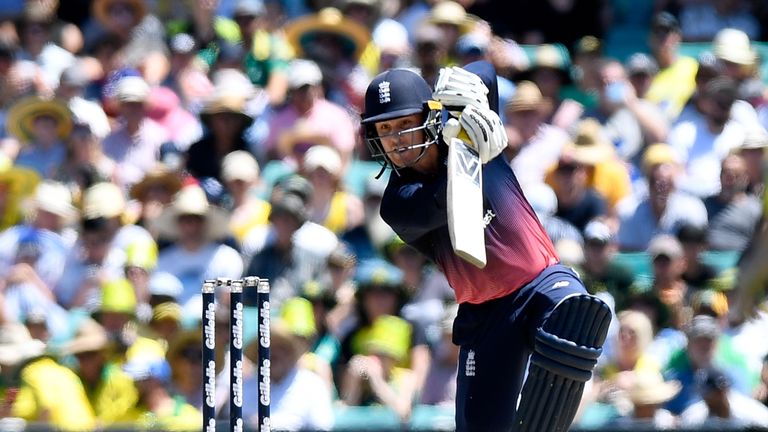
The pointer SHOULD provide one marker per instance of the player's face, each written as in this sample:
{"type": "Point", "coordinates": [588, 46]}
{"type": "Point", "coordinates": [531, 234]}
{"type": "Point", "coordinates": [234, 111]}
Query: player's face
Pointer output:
{"type": "Point", "coordinates": [397, 136]}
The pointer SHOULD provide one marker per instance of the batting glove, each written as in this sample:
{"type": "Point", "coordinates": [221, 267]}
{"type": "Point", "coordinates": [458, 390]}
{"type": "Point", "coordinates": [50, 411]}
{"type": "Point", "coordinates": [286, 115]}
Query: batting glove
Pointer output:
{"type": "Point", "coordinates": [484, 132]}
{"type": "Point", "coordinates": [459, 88]}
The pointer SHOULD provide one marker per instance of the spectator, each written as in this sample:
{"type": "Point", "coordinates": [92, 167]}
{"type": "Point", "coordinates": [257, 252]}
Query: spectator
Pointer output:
{"type": "Point", "coordinates": [697, 274]}
{"type": "Point", "coordinates": [600, 271]}
{"type": "Point", "coordinates": [550, 71]}
{"type": "Point", "coordinates": [226, 120]}
{"type": "Point", "coordinates": [18, 186]}
{"type": "Point", "coordinates": [325, 346]}
{"type": "Point", "coordinates": [733, 47]}
{"type": "Point", "coordinates": [669, 264]}
{"type": "Point", "coordinates": [153, 193]}
{"type": "Point", "coordinates": [674, 83]}
{"type": "Point", "coordinates": [300, 399]}
{"type": "Point", "coordinates": [330, 205]}
{"type": "Point", "coordinates": [266, 54]}
{"type": "Point", "coordinates": [135, 144]}
{"type": "Point", "coordinates": [577, 202]}
{"type": "Point", "coordinates": [702, 141]}
{"type": "Point", "coordinates": [722, 405]}
{"type": "Point", "coordinates": [180, 126]}
{"type": "Point", "coordinates": [648, 394]}
{"type": "Point", "coordinates": [664, 210]}
{"type": "Point", "coordinates": [43, 390]}
{"type": "Point", "coordinates": [110, 391]}
{"type": "Point", "coordinates": [641, 70]}
{"type": "Point", "coordinates": [630, 122]}
{"type": "Point", "coordinates": [430, 51]}
{"type": "Point", "coordinates": [733, 213]}
{"type": "Point", "coordinates": [158, 408]}
{"type": "Point", "coordinates": [185, 357]}
{"type": "Point", "coordinates": [372, 377]}
{"type": "Point", "coordinates": [240, 173]}
{"type": "Point", "coordinates": [41, 126]}
{"type": "Point", "coordinates": [753, 151]}
{"type": "Point", "coordinates": [85, 163]}
{"type": "Point", "coordinates": [195, 227]}
{"type": "Point", "coordinates": [704, 350]}
{"type": "Point", "coordinates": [306, 103]}
{"type": "Point", "coordinates": [534, 146]}
{"type": "Point", "coordinates": [105, 202]}
{"type": "Point", "coordinates": [35, 29]}
{"type": "Point", "coordinates": [370, 238]}
{"type": "Point", "coordinates": [165, 322]}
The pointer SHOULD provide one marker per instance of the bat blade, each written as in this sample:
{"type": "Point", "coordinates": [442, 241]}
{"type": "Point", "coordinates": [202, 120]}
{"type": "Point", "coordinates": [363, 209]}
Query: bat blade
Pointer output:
{"type": "Point", "coordinates": [465, 203]}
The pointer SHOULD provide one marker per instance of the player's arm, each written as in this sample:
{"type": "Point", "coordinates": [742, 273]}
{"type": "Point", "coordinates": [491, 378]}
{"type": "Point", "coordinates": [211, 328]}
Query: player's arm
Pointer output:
{"type": "Point", "coordinates": [415, 208]}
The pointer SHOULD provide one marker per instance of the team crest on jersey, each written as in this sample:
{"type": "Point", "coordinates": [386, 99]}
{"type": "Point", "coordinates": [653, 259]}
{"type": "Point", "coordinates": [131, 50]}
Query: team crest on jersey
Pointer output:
{"type": "Point", "coordinates": [384, 93]}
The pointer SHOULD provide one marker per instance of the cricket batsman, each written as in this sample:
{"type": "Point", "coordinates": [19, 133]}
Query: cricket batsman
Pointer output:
{"type": "Point", "coordinates": [523, 306]}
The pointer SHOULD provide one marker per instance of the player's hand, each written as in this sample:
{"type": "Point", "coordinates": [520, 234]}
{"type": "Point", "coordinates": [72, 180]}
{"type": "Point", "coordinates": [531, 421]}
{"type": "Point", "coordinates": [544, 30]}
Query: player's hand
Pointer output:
{"type": "Point", "coordinates": [486, 135]}
{"type": "Point", "coordinates": [458, 88]}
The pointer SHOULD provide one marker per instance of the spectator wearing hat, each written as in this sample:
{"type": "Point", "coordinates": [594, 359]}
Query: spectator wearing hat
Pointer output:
{"type": "Point", "coordinates": [85, 163]}
{"type": "Point", "coordinates": [325, 345]}
{"type": "Point", "coordinates": [104, 204]}
{"type": "Point", "coordinates": [641, 69]}
{"type": "Point", "coordinates": [196, 229]}
{"type": "Point", "coordinates": [341, 46]}
{"type": "Point", "coordinates": [668, 263]}
{"type": "Point", "coordinates": [534, 145]}
{"type": "Point", "coordinates": [51, 214]}
{"type": "Point", "coordinates": [630, 122]}
{"type": "Point", "coordinates": [550, 71]}
{"type": "Point", "coordinates": [373, 377]}
{"type": "Point", "coordinates": [185, 357]}
{"type": "Point", "coordinates": [675, 82]}
{"type": "Point", "coordinates": [266, 52]}
{"type": "Point", "coordinates": [693, 239]}
{"type": "Point", "coordinates": [312, 238]}
{"type": "Point", "coordinates": [154, 192]}
{"type": "Point", "coordinates": [110, 391]}
{"type": "Point", "coordinates": [648, 393]}
{"type": "Point", "coordinates": [18, 185]}
{"type": "Point", "coordinates": [722, 405]}
{"type": "Point", "coordinates": [704, 139]}
{"type": "Point", "coordinates": [135, 144]}
{"type": "Point", "coordinates": [606, 173]}
{"type": "Point", "coordinates": [241, 174]}
{"type": "Point", "coordinates": [39, 389]}
{"type": "Point", "coordinates": [380, 292]}
{"type": "Point", "coordinates": [577, 202]}
{"type": "Point", "coordinates": [181, 127]}
{"type": "Point", "coordinates": [300, 399]}
{"type": "Point", "coordinates": [41, 126]}
{"type": "Point", "coordinates": [340, 266]}
{"type": "Point", "coordinates": [706, 348]}
{"type": "Point", "coordinates": [330, 205]}
{"type": "Point", "coordinates": [753, 150]}
{"type": "Point", "coordinates": [430, 51]}
{"type": "Point", "coordinates": [665, 208]}
{"type": "Point", "coordinates": [165, 322]}
{"type": "Point", "coordinates": [283, 256]}
{"type": "Point", "coordinates": [158, 407]}
{"type": "Point", "coordinates": [71, 90]}
{"type": "Point", "coordinates": [225, 119]}
{"type": "Point", "coordinates": [370, 238]}
{"type": "Point", "coordinates": [307, 103]}
{"type": "Point", "coordinates": [600, 271]}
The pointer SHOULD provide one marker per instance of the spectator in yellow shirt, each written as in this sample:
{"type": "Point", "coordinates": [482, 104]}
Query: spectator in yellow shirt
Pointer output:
{"type": "Point", "coordinates": [158, 408]}
{"type": "Point", "coordinates": [110, 390]}
{"type": "Point", "coordinates": [40, 389]}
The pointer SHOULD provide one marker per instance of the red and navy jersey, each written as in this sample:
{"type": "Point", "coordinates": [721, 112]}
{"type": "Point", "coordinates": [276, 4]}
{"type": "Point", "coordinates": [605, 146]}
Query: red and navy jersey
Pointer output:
{"type": "Point", "coordinates": [517, 247]}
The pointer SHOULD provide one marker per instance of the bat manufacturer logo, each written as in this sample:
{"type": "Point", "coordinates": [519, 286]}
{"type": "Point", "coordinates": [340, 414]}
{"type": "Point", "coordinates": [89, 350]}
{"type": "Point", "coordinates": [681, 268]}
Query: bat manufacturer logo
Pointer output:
{"type": "Point", "coordinates": [469, 166]}
{"type": "Point", "coordinates": [384, 92]}
{"type": "Point", "coordinates": [561, 284]}
{"type": "Point", "coordinates": [489, 215]}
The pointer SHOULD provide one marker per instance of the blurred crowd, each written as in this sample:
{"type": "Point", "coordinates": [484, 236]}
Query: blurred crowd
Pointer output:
{"type": "Point", "coordinates": [149, 145]}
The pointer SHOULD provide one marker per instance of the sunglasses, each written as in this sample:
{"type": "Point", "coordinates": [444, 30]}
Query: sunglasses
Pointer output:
{"type": "Point", "coordinates": [192, 353]}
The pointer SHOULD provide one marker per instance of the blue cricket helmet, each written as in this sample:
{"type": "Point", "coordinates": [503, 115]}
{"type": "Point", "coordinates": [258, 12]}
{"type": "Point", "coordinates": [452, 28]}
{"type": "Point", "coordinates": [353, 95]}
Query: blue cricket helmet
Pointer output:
{"type": "Point", "coordinates": [395, 93]}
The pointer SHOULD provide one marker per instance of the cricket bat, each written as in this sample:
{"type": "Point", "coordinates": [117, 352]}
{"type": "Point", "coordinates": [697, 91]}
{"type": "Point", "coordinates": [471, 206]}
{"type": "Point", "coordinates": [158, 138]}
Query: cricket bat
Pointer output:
{"type": "Point", "coordinates": [465, 203]}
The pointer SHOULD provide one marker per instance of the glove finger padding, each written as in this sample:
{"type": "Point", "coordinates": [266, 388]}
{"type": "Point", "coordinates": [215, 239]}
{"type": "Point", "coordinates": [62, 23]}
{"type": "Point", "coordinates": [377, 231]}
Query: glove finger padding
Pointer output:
{"type": "Point", "coordinates": [484, 129]}
{"type": "Point", "coordinates": [457, 87]}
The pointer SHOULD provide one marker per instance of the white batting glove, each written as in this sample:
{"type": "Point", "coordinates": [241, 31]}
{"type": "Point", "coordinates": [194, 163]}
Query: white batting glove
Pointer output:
{"type": "Point", "coordinates": [457, 87]}
{"type": "Point", "coordinates": [485, 132]}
